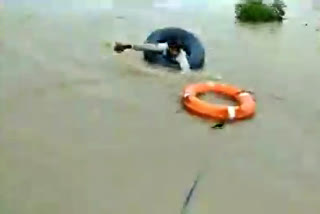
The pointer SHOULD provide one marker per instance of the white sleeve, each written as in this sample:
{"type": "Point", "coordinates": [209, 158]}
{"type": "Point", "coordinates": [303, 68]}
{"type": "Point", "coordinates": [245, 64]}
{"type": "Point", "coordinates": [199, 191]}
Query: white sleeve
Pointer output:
{"type": "Point", "coordinates": [160, 47]}
{"type": "Point", "coordinates": [183, 61]}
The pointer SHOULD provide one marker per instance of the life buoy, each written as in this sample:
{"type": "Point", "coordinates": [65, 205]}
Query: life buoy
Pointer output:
{"type": "Point", "coordinates": [191, 44]}
{"type": "Point", "coordinates": [192, 103]}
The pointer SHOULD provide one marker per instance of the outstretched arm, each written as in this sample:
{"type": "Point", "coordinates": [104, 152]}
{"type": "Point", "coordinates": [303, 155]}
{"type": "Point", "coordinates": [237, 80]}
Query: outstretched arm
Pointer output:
{"type": "Point", "coordinates": [160, 47]}
{"type": "Point", "coordinates": [119, 47]}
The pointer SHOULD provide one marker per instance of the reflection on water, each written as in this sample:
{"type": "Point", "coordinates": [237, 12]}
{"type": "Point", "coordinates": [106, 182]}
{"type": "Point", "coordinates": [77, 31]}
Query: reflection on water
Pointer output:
{"type": "Point", "coordinates": [85, 131]}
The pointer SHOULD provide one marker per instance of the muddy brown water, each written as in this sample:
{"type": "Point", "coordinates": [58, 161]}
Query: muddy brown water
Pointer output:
{"type": "Point", "coordinates": [83, 130]}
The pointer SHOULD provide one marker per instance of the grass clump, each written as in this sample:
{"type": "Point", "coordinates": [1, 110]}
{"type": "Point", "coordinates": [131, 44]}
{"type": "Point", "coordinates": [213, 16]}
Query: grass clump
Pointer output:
{"type": "Point", "coordinates": [257, 11]}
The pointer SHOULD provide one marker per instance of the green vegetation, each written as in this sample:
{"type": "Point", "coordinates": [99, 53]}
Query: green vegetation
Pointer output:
{"type": "Point", "coordinates": [257, 11]}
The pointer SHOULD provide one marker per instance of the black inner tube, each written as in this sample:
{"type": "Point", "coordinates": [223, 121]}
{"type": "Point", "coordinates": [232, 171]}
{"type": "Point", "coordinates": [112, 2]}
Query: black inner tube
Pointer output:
{"type": "Point", "coordinates": [190, 43]}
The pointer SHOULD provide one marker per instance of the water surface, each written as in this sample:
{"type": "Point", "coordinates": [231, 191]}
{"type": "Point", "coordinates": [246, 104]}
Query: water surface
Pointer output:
{"type": "Point", "coordinates": [85, 131]}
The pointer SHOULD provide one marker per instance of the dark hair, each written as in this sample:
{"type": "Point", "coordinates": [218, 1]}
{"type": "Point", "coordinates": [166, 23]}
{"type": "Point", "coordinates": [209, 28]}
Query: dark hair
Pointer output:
{"type": "Point", "coordinates": [175, 44]}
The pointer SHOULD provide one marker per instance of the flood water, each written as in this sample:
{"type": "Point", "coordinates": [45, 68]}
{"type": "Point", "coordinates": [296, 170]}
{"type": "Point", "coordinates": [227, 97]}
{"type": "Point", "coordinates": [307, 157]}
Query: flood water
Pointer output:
{"type": "Point", "coordinates": [83, 130]}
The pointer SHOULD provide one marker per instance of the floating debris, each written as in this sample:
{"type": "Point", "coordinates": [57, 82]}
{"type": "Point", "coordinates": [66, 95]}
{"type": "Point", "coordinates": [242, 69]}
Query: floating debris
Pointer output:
{"type": "Point", "coordinates": [218, 126]}
{"type": "Point", "coordinates": [190, 193]}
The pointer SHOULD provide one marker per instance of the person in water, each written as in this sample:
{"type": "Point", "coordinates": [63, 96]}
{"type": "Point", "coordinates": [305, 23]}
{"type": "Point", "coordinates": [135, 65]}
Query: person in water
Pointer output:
{"type": "Point", "coordinates": [171, 49]}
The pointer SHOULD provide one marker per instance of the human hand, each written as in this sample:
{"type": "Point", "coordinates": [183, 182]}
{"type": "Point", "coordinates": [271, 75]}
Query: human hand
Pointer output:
{"type": "Point", "coordinates": [119, 47]}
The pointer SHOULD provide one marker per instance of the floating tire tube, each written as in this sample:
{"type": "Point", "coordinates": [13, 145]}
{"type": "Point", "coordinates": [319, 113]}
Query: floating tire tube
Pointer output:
{"type": "Point", "coordinates": [191, 44]}
{"type": "Point", "coordinates": [245, 108]}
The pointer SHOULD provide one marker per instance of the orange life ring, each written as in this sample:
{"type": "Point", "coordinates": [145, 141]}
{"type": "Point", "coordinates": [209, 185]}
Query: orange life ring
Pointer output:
{"type": "Point", "coordinates": [192, 103]}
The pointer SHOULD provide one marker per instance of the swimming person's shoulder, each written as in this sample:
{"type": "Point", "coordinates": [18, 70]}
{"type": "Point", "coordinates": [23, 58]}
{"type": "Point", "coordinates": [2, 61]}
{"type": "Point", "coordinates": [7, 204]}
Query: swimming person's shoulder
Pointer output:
{"type": "Point", "coordinates": [183, 61]}
{"type": "Point", "coordinates": [182, 55]}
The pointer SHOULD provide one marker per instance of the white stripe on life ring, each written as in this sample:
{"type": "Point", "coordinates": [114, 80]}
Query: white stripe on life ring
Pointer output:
{"type": "Point", "coordinates": [244, 94]}
{"type": "Point", "coordinates": [232, 112]}
{"type": "Point", "coordinates": [186, 95]}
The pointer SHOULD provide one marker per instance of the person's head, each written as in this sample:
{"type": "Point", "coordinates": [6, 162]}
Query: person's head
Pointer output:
{"type": "Point", "coordinates": [174, 47]}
